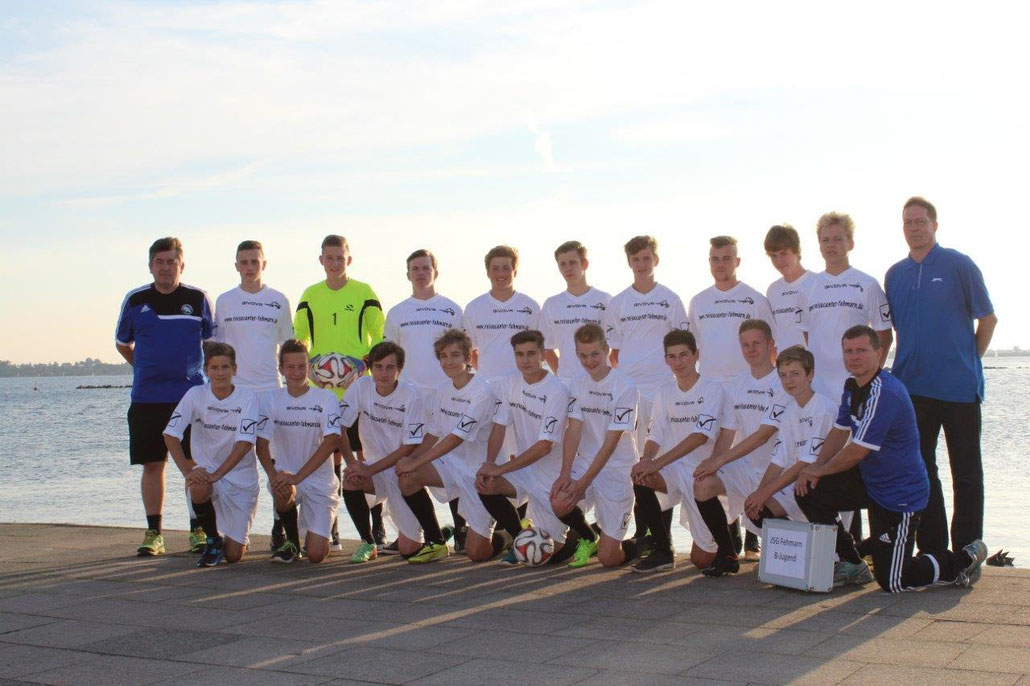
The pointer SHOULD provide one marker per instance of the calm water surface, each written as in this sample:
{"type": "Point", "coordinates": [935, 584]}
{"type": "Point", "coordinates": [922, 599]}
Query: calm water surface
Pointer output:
{"type": "Point", "coordinates": [64, 458]}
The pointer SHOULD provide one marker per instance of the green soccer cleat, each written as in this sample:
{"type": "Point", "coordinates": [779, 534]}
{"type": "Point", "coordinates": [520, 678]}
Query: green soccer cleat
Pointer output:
{"type": "Point", "coordinates": [153, 544]}
{"type": "Point", "coordinates": [584, 551]}
{"type": "Point", "coordinates": [364, 553]}
{"type": "Point", "coordinates": [428, 553]}
{"type": "Point", "coordinates": [198, 539]}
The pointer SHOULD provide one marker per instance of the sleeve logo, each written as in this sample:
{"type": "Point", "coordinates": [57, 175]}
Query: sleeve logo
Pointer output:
{"type": "Point", "coordinates": [247, 426]}
{"type": "Point", "coordinates": [623, 415]}
{"type": "Point", "coordinates": [572, 405]}
{"type": "Point", "coordinates": [466, 424]}
{"type": "Point", "coordinates": [334, 421]}
{"type": "Point", "coordinates": [261, 422]}
{"type": "Point", "coordinates": [550, 423]}
{"type": "Point", "coordinates": [173, 421]}
{"type": "Point", "coordinates": [885, 312]}
{"type": "Point", "coordinates": [415, 429]}
{"type": "Point", "coordinates": [816, 446]}
{"type": "Point", "coordinates": [776, 412]}
{"type": "Point", "coordinates": [706, 422]}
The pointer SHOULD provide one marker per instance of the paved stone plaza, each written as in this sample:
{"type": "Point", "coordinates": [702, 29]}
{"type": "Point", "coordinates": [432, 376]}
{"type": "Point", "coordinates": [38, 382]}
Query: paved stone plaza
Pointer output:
{"type": "Point", "coordinates": [76, 609]}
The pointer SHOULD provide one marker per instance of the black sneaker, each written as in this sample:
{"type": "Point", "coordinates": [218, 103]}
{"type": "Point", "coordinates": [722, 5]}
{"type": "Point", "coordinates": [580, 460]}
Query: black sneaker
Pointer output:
{"type": "Point", "coordinates": [655, 561]}
{"type": "Point", "coordinates": [722, 566]}
{"type": "Point", "coordinates": [278, 536]}
{"type": "Point", "coordinates": [334, 537]}
{"type": "Point", "coordinates": [645, 544]}
{"type": "Point", "coordinates": [391, 549]}
{"type": "Point", "coordinates": [285, 554]}
{"type": "Point", "coordinates": [379, 536]}
{"type": "Point", "coordinates": [752, 547]}
{"type": "Point", "coordinates": [459, 539]}
{"type": "Point", "coordinates": [214, 553]}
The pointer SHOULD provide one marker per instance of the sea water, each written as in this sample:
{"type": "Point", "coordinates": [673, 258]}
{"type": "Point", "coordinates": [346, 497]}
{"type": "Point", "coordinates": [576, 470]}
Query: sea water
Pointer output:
{"type": "Point", "coordinates": [64, 458]}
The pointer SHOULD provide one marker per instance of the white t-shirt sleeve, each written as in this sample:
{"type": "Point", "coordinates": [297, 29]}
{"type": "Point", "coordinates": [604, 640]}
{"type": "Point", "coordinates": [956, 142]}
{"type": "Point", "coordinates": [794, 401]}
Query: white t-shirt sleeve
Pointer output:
{"type": "Point", "coordinates": [390, 328]}
{"type": "Point", "coordinates": [657, 427]}
{"type": "Point", "coordinates": [624, 408]}
{"type": "Point", "coordinates": [803, 304]}
{"type": "Point", "coordinates": [763, 310]}
{"type": "Point", "coordinates": [220, 307]}
{"type": "Point", "coordinates": [266, 422]}
{"type": "Point", "coordinates": [678, 317]}
{"type": "Point", "coordinates": [612, 326]}
{"type": "Point", "coordinates": [350, 405]}
{"type": "Point", "coordinates": [553, 419]}
{"type": "Point", "coordinates": [693, 325]}
{"type": "Point", "coordinates": [330, 415]}
{"type": "Point", "coordinates": [879, 309]}
{"type": "Point", "coordinates": [182, 415]}
{"type": "Point", "coordinates": [727, 413]}
{"type": "Point", "coordinates": [544, 326]}
{"type": "Point", "coordinates": [709, 412]}
{"type": "Point", "coordinates": [285, 328]}
{"type": "Point", "coordinates": [414, 420]}
{"type": "Point", "coordinates": [468, 324]}
{"type": "Point", "coordinates": [502, 415]}
{"type": "Point", "coordinates": [822, 424]}
{"type": "Point", "coordinates": [247, 430]}
{"type": "Point", "coordinates": [779, 452]}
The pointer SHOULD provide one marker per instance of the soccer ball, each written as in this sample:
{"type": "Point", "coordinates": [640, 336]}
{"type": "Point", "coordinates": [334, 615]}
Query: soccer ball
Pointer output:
{"type": "Point", "coordinates": [333, 370]}
{"type": "Point", "coordinates": [533, 547]}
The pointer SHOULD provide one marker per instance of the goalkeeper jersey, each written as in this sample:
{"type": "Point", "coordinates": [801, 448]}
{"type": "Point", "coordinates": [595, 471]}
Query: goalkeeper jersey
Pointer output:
{"type": "Point", "coordinates": [348, 321]}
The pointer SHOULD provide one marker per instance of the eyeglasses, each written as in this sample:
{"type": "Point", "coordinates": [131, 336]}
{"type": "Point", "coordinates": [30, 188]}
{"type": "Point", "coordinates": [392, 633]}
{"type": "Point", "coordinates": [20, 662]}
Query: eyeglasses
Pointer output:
{"type": "Point", "coordinates": [922, 223]}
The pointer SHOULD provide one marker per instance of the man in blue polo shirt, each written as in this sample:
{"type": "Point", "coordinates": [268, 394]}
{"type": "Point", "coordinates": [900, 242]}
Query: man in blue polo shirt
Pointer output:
{"type": "Point", "coordinates": [160, 332]}
{"type": "Point", "coordinates": [880, 469]}
{"type": "Point", "coordinates": [935, 295]}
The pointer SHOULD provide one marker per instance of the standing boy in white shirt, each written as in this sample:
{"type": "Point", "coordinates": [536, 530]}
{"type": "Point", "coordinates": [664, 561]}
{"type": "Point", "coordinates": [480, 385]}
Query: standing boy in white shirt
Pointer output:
{"type": "Point", "coordinates": [783, 246]}
{"type": "Point", "coordinates": [255, 319]}
{"type": "Point", "coordinates": [561, 314]}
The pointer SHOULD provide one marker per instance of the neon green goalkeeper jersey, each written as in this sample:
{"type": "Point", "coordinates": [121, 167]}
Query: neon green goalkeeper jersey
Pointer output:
{"type": "Point", "coordinates": [348, 321]}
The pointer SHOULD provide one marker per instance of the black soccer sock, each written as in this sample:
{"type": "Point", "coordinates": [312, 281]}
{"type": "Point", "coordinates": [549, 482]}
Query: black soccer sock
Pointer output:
{"type": "Point", "coordinates": [766, 512]}
{"type": "Point", "coordinates": [357, 507]}
{"type": "Point", "coordinates": [652, 517]}
{"type": "Point", "coordinates": [205, 512]}
{"type": "Point", "coordinates": [501, 509]}
{"type": "Point", "coordinates": [629, 547]}
{"type": "Point", "coordinates": [738, 541]}
{"type": "Point", "coordinates": [459, 521]}
{"type": "Point", "coordinates": [577, 520]}
{"type": "Point", "coordinates": [288, 519]}
{"type": "Point", "coordinates": [378, 530]}
{"type": "Point", "coordinates": [567, 549]}
{"type": "Point", "coordinates": [498, 542]}
{"type": "Point", "coordinates": [715, 519]}
{"type": "Point", "coordinates": [667, 522]}
{"type": "Point", "coordinates": [422, 507]}
{"type": "Point", "coordinates": [856, 525]}
{"type": "Point", "coordinates": [154, 522]}
{"type": "Point", "coordinates": [194, 522]}
{"type": "Point", "coordinates": [522, 509]}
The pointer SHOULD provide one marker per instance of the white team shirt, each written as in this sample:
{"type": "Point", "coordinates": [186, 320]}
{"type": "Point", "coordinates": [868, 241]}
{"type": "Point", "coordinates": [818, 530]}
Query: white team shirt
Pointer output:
{"type": "Point", "coordinates": [466, 412]}
{"type": "Point", "coordinates": [414, 324]}
{"type": "Point", "coordinates": [803, 430]}
{"type": "Point", "coordinates": [561, 315]}
{"type": "Point", "coordinates": [830, 305]}
{"type": "Point", "coordinates": [635, 324]}
{"type": "Point", "coordinates": [715, 317]}
{"type": "Point", "coordinates": [535, 412]}
{"type": "Point", "coordinates": [608, 405]}
{"type": "Point", "coordinates": [254, 324]}
{"type": "Point", "coordinates": [491, 323]}
{"type": "Point", "coordinates": [750, 403]}
{"type": "Point", "coordinates": [387, 422]}
{"type": "Point", "coordinates": [217, 426]}
{"type": "Point", "coordinates": [783, 299]}
{"type": "Point", "coordinates": [678, 413]}
{"type": "Point", "coordinates": [296, 427]}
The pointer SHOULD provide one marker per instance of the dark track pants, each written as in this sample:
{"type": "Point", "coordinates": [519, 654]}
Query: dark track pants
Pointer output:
{"type": "Point", "coordinates": [892, 534]}
{"type": "Point", "coordinates": [962, 424]}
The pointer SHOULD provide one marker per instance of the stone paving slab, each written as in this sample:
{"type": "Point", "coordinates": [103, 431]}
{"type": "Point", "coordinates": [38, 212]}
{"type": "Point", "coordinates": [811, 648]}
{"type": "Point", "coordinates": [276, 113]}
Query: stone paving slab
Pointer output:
{"type": "Point", "coordinates": [77, 608]}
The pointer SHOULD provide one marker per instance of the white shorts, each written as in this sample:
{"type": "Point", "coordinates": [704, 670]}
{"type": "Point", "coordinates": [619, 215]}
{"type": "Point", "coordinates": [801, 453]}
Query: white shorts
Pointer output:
{"type": "Point", "coordinates": [679, 478]}
{"type": "Point", "coordinates": [459, 481]}
{"type": "Point", "coordinates": [235, 508]}
{"type": "Point", "coordinates": [530, 486]}
{"type": "Point", "coordinates": [611, 497]}
{"type": "Point", "coordinates": [388, 491]}
{"type": "Point", "coordinates": [317, 509]}
{"type": "Point", "coordinates": [788, 502]}
{"type": "Point", "coordinates": [740, 481]}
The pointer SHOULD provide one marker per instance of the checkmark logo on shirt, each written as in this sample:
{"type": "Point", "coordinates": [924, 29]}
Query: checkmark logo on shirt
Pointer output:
{"type": "Point", "coordinates": [466, 424]}
{"type": "Point", "coordinates": [623, 415]}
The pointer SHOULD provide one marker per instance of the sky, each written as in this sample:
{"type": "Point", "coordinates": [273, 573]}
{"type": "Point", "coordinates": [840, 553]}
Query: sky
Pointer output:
{"type": "Point", "coordinates": [459, 125]}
